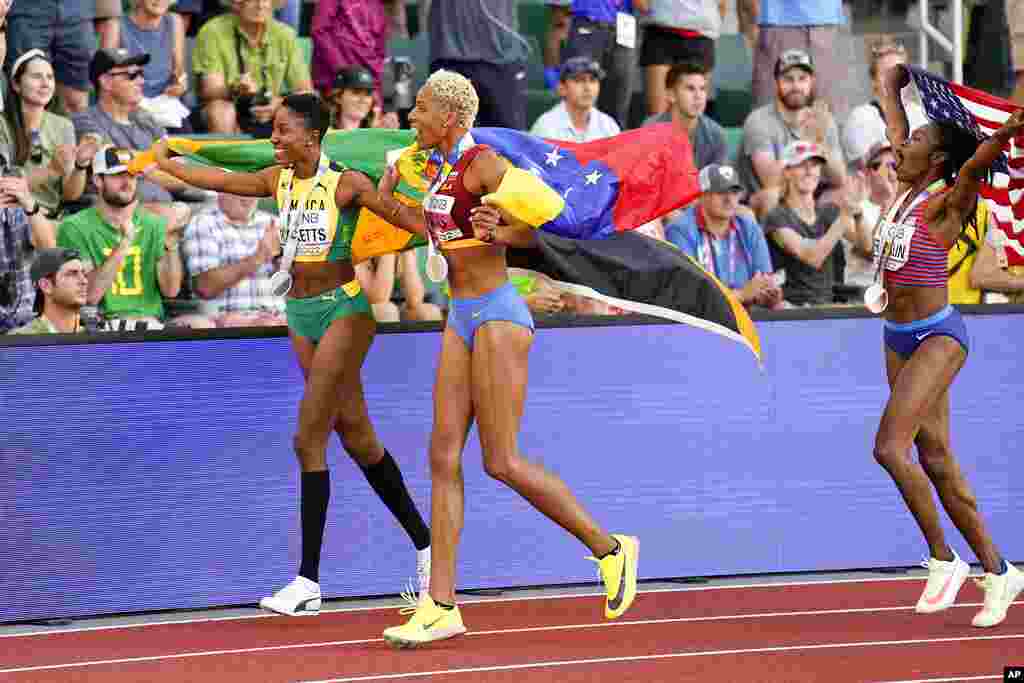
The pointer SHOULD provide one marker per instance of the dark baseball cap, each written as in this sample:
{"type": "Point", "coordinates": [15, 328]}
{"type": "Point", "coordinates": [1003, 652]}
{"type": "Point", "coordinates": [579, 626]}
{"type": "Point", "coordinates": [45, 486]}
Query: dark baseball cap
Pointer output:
{"type": "Point", "coordinates": [791, 58]}
{"type": "Point", "coordinates": [718, 178]}
{"type": "Point", "coordinates": [574, 66]}
{"type": "Point", "coordinates": [356, 78]}
{"type": "Point", "coordinates": [48, 261]}
{"type": "Point", "coordinates": [109, 58]}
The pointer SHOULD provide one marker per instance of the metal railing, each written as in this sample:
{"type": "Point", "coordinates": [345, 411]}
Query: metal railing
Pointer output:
{"type": "Point", "coordinates": [954, 47]}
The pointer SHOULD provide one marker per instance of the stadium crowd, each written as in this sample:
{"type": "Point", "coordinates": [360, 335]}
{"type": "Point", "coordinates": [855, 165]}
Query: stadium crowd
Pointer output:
{"type": "Point", "coordinates": [790, 192]}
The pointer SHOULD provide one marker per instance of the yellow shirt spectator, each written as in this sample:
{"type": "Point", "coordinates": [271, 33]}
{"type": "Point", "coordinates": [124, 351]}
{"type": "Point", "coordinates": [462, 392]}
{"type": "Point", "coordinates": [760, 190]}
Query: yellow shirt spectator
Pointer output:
{"type": "Point", "coordinates": [961, 260]}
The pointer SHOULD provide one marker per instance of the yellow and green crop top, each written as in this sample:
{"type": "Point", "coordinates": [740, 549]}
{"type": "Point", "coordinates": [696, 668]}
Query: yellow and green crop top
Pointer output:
{"type": "Point", "coordinates": [324, 231]}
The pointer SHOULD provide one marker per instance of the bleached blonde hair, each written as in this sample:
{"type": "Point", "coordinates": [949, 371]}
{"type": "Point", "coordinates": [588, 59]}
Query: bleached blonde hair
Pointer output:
{"type": "Point", "coordinates": [454, 92]}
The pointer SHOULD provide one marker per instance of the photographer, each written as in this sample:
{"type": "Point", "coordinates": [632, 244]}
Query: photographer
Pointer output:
{"type": "Point", "coordinates": [245, 62]}
{"type": "Point", "coordinates": [23, 227]}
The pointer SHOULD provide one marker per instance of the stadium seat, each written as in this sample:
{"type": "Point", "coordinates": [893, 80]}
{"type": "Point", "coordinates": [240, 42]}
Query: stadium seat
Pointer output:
{"type": "Point", "coordinates": [733, 79]}
{"type": "Point", "coordinates": [538, 102]}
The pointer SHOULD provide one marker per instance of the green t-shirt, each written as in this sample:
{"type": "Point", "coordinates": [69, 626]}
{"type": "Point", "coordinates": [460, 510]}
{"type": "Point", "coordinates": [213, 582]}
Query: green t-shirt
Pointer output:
{"type": "Point", "coordinates": [54, 130]}
{"type": "Point", "coordinates": [135, 291]}
{"type": "Point", "coordinates": [277, 62]}
{"type": "Point", "coordinates": [38, 325]}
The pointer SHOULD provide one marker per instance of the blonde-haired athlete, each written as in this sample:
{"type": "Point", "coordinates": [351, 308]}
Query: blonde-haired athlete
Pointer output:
{"type": "Point", "coordinates": [483, 366]}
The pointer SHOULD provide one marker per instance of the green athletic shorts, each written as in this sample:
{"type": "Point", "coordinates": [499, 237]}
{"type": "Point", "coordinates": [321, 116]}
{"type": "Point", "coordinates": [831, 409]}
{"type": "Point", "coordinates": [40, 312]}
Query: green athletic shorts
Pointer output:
{"type": "Point", "coordinates": [310, 317]}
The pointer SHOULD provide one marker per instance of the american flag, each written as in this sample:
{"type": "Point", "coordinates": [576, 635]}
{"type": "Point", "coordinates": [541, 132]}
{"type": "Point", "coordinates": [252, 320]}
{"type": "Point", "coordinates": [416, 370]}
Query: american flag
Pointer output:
{"type": "Point", "coordinates": [983, 114]}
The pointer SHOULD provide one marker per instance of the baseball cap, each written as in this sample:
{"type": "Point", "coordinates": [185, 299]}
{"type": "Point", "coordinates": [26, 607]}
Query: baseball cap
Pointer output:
{"type": "Point", "coordinates": [574, 66]}
{"type": "Point", "coordinates": [718, 178]}
{"type": "Point", "coordinates": [799, 151]}
{"type": "Point", "coordinates": [790, 58]}
{"type": "Point", "coordinates": [111, 160]}
{"type": "Point", "coordinates": [48, 261]}
{"type": "Point", "coordinates": [355, 77]}
{"type": "Point", "coordinates": [108, 58]}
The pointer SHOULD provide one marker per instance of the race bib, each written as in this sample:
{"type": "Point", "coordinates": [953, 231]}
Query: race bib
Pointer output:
{"type": "Point", "coordinates": [893, 240]}
{"type": "Point", "coordinates": [438, 208]}
{"type": "Point", "coordinates": [313, 236]}
{"type": "Point", "coordinates": [625, 30]}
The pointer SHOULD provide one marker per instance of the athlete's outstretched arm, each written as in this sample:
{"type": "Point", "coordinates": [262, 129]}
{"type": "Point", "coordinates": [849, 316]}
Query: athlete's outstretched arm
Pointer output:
{"type": "Point", "coordinates": [947, 219]}
{"type": "Point", "coordinates": [259, 184]}
{"type": "Point", "coordinates": [897, 128]}
{"type": "Point", "coordinates": [357, 187]}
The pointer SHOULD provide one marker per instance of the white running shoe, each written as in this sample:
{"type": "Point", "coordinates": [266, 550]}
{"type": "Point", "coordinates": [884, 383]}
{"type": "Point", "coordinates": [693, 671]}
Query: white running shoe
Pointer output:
{"type": "Point", "coordinates": [944, 582]}
{"type": "Point", "coordinates": [299, 598]}
{"type": "Point", "coordinates": [1000, 592]}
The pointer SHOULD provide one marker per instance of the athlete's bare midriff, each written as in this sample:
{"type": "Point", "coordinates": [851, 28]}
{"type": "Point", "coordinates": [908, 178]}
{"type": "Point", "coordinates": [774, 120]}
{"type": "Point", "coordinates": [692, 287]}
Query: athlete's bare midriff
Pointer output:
{"type": "Point", "coordinates": [907, 304]}
{"type": "Point", "coordinates": [475, 271]}
{"type": "Point", "coordinates": [312, 278]}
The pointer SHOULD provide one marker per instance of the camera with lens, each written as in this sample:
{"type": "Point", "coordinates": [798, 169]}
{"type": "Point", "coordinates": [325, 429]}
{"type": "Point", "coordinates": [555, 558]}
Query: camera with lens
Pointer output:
{"type": "Point", "coordinates": [397, 84]}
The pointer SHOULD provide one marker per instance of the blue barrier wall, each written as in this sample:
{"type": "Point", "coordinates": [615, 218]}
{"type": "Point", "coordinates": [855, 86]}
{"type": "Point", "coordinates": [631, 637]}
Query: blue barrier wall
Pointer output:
{"type": "Point", "coordinates": [139, 476]}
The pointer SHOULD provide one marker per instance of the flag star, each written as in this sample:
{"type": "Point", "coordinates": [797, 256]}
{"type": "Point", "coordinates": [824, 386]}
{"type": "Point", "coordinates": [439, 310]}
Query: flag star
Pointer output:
{"type": "Point", "coordinates": [535, 171]}
{"type": "Point", "coordinates": [593, 177]}
{"type": "Point", "coordinates": [553, 157]}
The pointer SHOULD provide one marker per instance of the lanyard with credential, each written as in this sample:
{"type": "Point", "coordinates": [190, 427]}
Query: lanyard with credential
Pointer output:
{"type": "Point", "coordinates": [437, 265]}
{"type": "Point", "coordinates": [281, 281]}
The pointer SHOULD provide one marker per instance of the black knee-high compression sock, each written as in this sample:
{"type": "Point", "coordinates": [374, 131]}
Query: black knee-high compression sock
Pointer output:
{"type": "Point", "coordinates": [316, 493]}
{"type": "Point", "coordinates": [386, 480]}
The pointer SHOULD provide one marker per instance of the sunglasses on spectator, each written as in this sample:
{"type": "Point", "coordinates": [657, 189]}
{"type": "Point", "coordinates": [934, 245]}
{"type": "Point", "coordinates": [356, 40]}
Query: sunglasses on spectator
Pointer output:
{"type": "Point", "coordinates": [875, 165]}
{"type": "Point", "coordinates": [888, 47]}
{"type": "Point", "coordinates": [130, 75]}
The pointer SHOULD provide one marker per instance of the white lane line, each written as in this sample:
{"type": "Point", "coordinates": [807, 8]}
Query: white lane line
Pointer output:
{"type": "Point", "coordinates": [470, 601]}
{"type": "Point", "coordinates": [955, 679]}
{"type": "Point", "coordinates": [493, 632]}
{"type": "Point", "coordinates": [667, 655]}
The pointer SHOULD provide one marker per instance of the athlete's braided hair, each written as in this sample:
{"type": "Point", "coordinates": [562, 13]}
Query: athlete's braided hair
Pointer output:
{"type": "Point", "coordinates": [959, 145]}
{"type": "Point", "coordinates": [456, 94]}
{"type": "Point", "coordinates": [313, 110]}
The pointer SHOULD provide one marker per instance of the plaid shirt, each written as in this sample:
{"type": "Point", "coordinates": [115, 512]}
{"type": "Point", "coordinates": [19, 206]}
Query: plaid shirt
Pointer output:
{"type": "Point", "coordinates": [15, 261]}
{"type": "Point", "coordinates": [211, 241]}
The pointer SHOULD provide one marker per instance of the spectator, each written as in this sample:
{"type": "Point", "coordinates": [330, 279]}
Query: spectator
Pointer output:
{"type": "Point", "coordinates": [475, 38]}
{"type": "Point", "coordinates": [107, 22]}
{"type": "Point", "coordinates": [349, 33]}
{"type": "Point", "coordinates": [873, 186]}
{"type": "Point", "coordinates": [61, 287]}
{"type": "Point", "coordinates": [352, 97]}
{"type": "Point", "coordinates": [229, 256]}
{"type": "Point", "coordinates": [43, 143]}
{"type": "Point", "coordinates": [377, 278]}
{"type": "Point", "coordinates": [575, 119]}
{"type": "Point", "coordinates": [865, 125]}
{"type": "Point", "coordinates": [686, 86]}
{"type": "Point", "coordinates": [117, 120]}
{"type": "Point", "coordinates": [678, 32]}
{"type": "Point", "coordinates": [964, 256]}
{"type": "Point", "coordinates": [1015, 23]}
{"type": "Point", "coordinates": [772, 127]}
{"type": "Point", "coordinates": [805, 235]}
{"type": "Point", "coordinates": [559, 20]}
{"type": "Point", "coordinates": [414, 294]}
{"type": "Point", "coordinates": [152, 30]}
{"type": "Point", "coordinates": [63, 29]}
{"type": "Point", "coordinates": [600, 30]}
{"type": "Point", "coordinates": [135, 252]}
{"type": "Point", "coordinates": [245, 62]}
{"type": "Point", "coordinates": [991, 271]}
{"type": "Point", "coordinates": [729, 245]}
{"type": "Point", "coordinates": [812, 26]}
{"type": "Point", "coordinates": [23, 227]}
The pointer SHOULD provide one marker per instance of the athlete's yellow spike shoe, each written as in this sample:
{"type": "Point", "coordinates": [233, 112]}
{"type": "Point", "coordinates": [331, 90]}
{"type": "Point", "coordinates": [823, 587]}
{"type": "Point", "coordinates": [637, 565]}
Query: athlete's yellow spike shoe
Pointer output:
{"type": "Point", "coordinates": [618, 571]}
{"type": "Point", "coordinates": [428, 623]}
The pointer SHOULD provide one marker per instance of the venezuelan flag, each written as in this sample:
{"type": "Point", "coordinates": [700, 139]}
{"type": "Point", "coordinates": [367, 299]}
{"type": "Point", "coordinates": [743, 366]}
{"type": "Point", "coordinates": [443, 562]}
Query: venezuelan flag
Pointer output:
{"type": "Point", "coordinates": [583, 198]}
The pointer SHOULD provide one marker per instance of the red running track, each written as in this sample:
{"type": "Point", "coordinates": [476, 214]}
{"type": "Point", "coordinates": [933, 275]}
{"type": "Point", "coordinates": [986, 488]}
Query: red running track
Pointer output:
{"type": "Point", "coordinates": [834, 632]}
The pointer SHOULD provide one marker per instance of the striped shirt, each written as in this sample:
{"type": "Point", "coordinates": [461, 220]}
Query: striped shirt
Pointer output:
{"type": "Point", "coordinates": [211, 241]}
{"type": "Point", "coordinates": [928, 260]}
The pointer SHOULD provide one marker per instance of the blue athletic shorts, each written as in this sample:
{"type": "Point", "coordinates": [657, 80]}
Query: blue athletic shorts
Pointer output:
{"type": "Point", "coordinates": [465, 316]}
{"type": "Point", "coordinates": [904, 338]}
